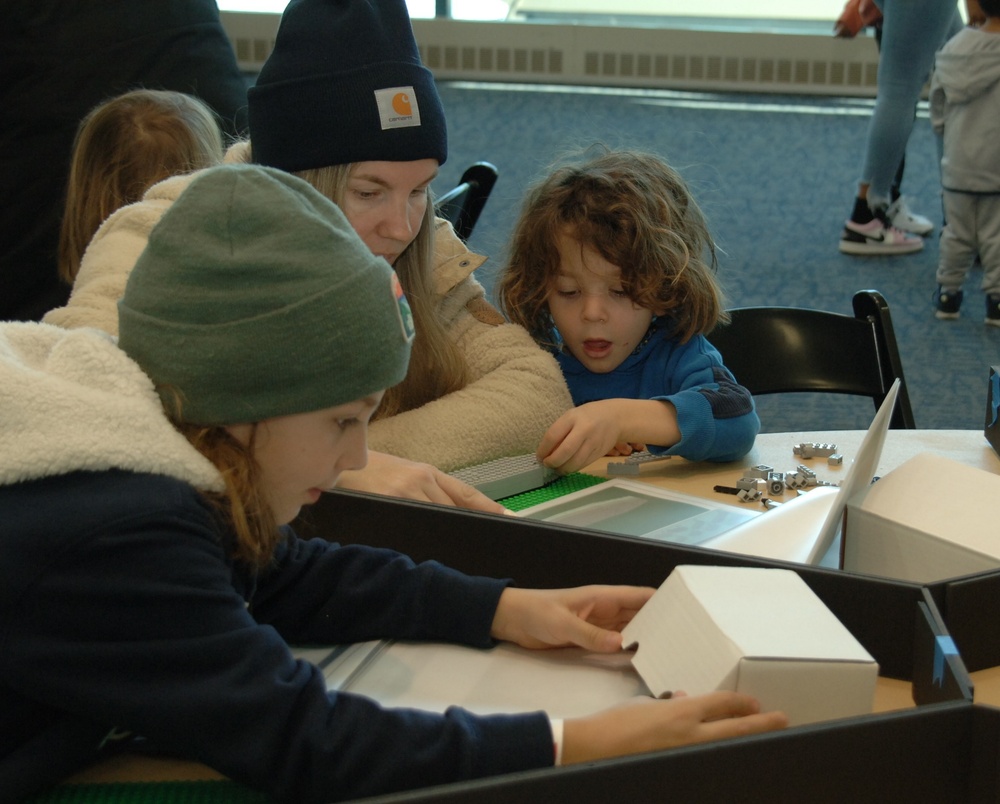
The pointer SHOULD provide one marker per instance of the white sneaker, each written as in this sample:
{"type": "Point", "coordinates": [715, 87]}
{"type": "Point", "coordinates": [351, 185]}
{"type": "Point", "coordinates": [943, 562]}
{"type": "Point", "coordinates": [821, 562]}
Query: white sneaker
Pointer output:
{"type": "Point", "coordinates": [904, 219]}
{"type": "Point", "coordinates": [876, 239]}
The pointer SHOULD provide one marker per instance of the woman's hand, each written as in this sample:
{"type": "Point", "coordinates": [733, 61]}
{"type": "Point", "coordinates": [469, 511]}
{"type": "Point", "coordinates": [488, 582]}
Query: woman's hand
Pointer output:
{"type": "Point", "coordinates": [647, 724]}
{"type": "Point", "coordinates": [397, 477]}
{"type": "Point", "coordinates": [590, 617]}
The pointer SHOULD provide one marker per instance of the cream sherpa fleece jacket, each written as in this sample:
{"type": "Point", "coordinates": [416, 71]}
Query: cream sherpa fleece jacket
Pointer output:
{"type": "Point", "coordinates": [72, 400]}
{"type": "Point", "coordinates": [515, 392]}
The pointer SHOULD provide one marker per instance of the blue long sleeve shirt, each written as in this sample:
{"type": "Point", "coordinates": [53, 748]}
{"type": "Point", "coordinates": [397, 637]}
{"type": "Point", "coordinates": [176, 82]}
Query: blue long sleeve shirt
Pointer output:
{"type": "Point", "coordinates": [715, 414]}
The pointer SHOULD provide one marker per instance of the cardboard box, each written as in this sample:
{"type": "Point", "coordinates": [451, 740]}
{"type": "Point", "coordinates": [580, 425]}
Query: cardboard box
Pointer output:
{"type": "Point", "coordinates": [753, 630]}
{"type": "Point", "coordinates": [927, 520]}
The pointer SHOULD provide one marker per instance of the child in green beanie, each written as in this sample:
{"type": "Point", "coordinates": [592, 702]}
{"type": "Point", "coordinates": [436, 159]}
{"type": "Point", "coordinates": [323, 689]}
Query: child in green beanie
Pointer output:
{"type": "Point", "coordinates": [149, 582]}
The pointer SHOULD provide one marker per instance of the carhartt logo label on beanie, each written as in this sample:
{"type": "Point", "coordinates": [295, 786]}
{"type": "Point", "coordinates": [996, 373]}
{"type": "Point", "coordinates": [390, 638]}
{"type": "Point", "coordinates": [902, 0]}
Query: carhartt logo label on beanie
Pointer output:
{"type": "Point", "coordinates": [397, 107]}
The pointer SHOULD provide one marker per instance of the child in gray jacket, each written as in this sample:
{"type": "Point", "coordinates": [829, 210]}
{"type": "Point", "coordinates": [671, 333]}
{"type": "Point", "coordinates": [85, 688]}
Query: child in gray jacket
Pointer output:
{"type": "Point", "coordinates": [964, 104]}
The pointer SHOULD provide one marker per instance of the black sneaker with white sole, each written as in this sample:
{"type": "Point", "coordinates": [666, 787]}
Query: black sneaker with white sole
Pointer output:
{"type": "Point", "coordinates": [947, 303]}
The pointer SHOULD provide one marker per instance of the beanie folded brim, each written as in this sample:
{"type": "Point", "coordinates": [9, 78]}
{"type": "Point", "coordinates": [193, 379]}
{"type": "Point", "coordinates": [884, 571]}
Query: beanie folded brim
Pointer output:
{"type": "Point", "coordinates": [313, 367]}
{"type": "Point", "coordinates": [254, 298]}
{"type": "Point", "coordinates": [324, 120]}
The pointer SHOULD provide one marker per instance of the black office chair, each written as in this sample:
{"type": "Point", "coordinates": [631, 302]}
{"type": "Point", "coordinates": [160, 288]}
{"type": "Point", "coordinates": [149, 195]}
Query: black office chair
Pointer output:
{"type": "Point", "coordinates": [788, 349]}
{"type": "Point", "coordinates": [462, 205]}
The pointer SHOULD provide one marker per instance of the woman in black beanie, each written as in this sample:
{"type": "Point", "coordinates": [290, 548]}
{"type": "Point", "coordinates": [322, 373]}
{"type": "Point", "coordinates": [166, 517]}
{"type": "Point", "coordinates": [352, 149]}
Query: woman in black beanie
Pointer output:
{"type": "Point", "coordinates": [344, 102]}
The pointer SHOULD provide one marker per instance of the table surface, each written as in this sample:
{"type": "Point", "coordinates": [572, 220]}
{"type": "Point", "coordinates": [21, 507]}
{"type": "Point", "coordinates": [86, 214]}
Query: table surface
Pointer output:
{"type": "Point", "coordinates": [968, 447]}
{"type": "Point", "coordinates": [773, 449]}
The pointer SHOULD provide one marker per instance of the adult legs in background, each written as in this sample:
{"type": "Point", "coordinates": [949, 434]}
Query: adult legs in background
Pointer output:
{"type": "Point", "coordinates": [912, 31]}
{"type": "Point", "coordinates": [899, 213]}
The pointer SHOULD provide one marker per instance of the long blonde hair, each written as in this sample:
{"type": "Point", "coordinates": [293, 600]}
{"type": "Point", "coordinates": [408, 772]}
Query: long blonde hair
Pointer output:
{"type": "Point", "coordinates": [123, 147]}
{"type": "Point", "coordinates": [437, 366]}
{"type": "Point", "coordinates": [636, 212]}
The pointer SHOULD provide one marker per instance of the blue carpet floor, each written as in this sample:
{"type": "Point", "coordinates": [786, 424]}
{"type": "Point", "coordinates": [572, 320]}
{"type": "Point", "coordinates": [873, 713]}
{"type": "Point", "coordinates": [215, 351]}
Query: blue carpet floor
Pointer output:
{"type": "Point", "coordinates": [776, 177]}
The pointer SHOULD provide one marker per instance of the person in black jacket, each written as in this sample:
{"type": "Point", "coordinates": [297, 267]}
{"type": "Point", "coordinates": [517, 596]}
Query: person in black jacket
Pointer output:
{"type": "Point", "coordinates": [60, 59]}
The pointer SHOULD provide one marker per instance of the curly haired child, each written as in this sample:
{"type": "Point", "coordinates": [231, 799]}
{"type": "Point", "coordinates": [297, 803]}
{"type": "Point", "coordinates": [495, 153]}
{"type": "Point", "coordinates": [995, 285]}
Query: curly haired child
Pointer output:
{"type": "Point", "coordinates": [612, 267]}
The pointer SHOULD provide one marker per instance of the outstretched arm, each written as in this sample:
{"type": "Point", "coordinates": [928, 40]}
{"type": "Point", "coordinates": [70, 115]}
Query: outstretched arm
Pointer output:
{"type": "Point", "coordinates": [591, 617]}
{"type": "Point", "coordinates": [646, 724]}
{"type": "Point", "coordinates": [398, 477]}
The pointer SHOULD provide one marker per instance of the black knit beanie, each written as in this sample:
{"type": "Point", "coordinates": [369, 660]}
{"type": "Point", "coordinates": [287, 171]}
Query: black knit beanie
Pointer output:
{"type": "Point", "coordinates": [345, 84]}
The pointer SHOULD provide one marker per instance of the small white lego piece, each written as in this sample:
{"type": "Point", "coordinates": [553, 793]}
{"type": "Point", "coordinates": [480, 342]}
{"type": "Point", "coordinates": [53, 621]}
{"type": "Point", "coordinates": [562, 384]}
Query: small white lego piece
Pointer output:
{"type": "Point", "coordinates": [835, 459]}
{"type": "Point", "coordinates": [631, 464]}
{"type": "Point", "coordinates": [795, 480]}
{"type": "Point", "coordinates": [751, 483]}
{"type": "Point", "coordinates": [748, 495]}
{"type": "Point", "coordinates": [760, 470]}
{"type": "Point", "coordinates": [776, 482]}
{"type": "Point", "coordinates": [810, 449]}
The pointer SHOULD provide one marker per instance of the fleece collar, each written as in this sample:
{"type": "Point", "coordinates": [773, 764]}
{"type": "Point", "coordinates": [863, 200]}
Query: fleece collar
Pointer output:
{"type": "Point", "coordinates": [71, 400]}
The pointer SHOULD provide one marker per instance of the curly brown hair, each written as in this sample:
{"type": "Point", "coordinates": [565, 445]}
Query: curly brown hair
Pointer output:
{"type": "Point", "coordinates": [636, 212]}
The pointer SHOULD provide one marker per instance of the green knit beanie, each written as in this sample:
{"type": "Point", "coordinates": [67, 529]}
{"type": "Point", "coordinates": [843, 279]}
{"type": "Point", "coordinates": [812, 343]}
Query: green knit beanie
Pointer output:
{"type": "Point", "coordinates": [255, 298]}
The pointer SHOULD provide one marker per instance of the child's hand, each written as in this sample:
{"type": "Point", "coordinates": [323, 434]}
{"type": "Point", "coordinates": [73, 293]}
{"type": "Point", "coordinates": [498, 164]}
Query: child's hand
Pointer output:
{"type": "Point", "coordinates": [646, 724]}
{"type": "Point", "coordinates": [624, 449]}
{"type": "Point", "coordinates": [581, 435]}
{"type": "Point", "coordinates": [590, 617]}
{"type": "Point", "coordinates": [607, 427]}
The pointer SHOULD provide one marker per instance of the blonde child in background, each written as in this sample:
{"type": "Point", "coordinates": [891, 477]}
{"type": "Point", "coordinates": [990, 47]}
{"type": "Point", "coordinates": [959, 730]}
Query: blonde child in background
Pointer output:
{"type": "Point", "coordinates": [612, 268]}
{"type": "Point", "coordinates": [122, 148]}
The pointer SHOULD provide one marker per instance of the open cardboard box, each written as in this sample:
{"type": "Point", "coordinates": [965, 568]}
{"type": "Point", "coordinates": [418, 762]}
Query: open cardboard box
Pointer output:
{"type": "Point", "coordinates": [927, 520]}
{"type": "Point", "coordinates": [753, 630]}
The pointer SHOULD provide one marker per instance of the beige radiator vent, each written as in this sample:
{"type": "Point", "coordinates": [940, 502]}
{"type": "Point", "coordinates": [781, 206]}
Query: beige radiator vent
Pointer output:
{"type": "Point", "coordinates": [646, 57]}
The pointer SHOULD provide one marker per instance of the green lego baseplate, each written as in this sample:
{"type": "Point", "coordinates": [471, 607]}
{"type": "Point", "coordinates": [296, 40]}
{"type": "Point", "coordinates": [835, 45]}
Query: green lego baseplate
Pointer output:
{"type": "Point", "coordinates": [566, 484]}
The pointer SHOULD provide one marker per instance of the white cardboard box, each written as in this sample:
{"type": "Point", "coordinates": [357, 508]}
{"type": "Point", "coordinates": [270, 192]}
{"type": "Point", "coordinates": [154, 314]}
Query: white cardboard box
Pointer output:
{"type": "Point", "coordinates": [928, 519]}
{"type": "Point", "coordinates": [758, 631]}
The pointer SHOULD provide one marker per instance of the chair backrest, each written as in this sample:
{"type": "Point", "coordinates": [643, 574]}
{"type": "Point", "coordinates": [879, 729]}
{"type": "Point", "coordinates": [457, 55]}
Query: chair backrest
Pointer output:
{"type": "Point", "coordinates": [787, 349]}
{"type": "Point", "coordinates": [462, 205]}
